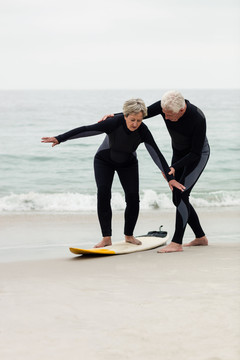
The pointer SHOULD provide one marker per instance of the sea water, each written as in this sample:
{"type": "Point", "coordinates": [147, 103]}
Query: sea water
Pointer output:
{"type": "Point", "coordinates": [36, 178]}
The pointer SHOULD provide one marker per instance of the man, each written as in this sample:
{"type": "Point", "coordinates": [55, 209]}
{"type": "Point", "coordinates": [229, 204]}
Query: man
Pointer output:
{"type": "Point", "coordinates": [186, 125]}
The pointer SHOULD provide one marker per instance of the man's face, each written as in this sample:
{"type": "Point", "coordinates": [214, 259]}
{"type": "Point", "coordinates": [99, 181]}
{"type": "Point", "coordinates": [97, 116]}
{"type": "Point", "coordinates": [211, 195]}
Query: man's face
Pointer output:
{"type": "Point", "coordinates": [169, 115]}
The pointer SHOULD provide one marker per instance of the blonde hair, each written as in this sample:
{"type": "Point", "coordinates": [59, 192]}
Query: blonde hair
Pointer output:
{"type": "Point", "coordinates": [172, 101]}
{"type": "Point", "coordinates": [134, 106]}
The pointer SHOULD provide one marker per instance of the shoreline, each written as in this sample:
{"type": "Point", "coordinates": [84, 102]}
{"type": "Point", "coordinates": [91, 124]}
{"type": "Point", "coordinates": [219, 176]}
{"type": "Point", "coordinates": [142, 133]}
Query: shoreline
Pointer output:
{"type": "Point", "coordinates": [34, 236]}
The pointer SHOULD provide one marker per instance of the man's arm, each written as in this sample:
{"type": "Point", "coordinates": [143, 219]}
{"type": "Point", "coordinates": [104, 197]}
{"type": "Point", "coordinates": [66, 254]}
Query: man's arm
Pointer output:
{"type": "Point", "coordinates": [153, 110]}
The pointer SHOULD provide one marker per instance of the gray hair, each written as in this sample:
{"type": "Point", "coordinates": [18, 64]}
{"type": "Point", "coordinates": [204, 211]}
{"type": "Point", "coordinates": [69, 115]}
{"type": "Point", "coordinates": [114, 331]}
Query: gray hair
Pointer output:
{"type": "Point", "coordinates": [172, 101]}
{"type": "Point", "coordinates": [134, 106]}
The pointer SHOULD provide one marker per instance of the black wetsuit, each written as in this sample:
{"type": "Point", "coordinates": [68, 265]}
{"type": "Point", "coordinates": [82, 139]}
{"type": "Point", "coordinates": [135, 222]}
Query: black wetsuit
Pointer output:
{"type": "Point", "coordinates": [190, 155]}
{"type": "Point", "coordinates": [117, 153]}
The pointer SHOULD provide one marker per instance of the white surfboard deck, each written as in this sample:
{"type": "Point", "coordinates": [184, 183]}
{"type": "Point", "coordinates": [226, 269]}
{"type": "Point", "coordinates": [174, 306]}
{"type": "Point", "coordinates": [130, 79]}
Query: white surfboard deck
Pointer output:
{"type": "Point", "coordinates": [148, 242]}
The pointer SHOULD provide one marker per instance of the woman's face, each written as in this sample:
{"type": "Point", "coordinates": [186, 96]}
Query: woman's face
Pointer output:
{"type": "Point", "coordinates": [133, 121]}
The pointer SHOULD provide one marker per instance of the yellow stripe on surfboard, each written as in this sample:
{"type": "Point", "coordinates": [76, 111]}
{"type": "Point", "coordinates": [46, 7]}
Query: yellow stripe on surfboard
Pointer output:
{"type": "Point", "coordinates": [92, 251]}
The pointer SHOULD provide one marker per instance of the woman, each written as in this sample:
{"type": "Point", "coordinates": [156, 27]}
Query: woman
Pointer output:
{"type": "Point", "coordinates": [117, 153]}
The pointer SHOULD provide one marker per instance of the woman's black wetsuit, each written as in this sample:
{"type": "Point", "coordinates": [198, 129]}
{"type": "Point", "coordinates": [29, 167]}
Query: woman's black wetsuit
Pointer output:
{"type": "Point", "coordinates": [190, 155]}
{"type": "Point", "coordinates": [117, 153]}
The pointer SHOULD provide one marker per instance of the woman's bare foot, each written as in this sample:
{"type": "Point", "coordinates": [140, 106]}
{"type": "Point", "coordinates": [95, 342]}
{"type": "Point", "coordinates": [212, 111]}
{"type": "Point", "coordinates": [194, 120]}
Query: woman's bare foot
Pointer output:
{"type": "Point", "coordinates": [202, 241]}
{"type": "Point", "coordinates": [106, 241]}
{"type": "Point", "coordinates": [132, 240]}
{"type": "Point", "coordinates": [172, 247]}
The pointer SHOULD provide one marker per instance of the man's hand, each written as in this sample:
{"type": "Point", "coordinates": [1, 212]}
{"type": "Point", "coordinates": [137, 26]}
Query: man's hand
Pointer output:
{"type": "Point", "coordinates": [105, 117]}
{"type": "Point", "coordinates": [50, 140]}
{"type": "Point", "coordinates": [176, 184]}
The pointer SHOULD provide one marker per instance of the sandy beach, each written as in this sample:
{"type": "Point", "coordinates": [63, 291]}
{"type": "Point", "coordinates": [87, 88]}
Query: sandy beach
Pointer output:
{"type": "Point", "coordinates": [139, 306]}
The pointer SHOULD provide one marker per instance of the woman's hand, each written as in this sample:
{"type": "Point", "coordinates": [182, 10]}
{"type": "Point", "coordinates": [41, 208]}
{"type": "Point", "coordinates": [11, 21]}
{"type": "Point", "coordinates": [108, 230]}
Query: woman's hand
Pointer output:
{"type": "Point", "coordinates": [176, 184]}
{"type": "Point", "coordinates": [164, 176]}
{"type": "Point", "coordinates": [172, 171]}
{"type": "Point", "coordinates": [50, 140]}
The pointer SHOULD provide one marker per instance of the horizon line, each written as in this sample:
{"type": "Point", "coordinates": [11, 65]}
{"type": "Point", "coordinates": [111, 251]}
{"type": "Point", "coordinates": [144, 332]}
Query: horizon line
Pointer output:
{"type": "Point", "coordinates": [111, 89]}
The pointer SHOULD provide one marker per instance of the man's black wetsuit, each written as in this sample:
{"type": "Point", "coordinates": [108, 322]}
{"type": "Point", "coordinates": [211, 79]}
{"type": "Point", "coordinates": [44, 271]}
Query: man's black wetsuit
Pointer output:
{"type": "Point", "coordinates": [190, 155]}
{"type": "Point", "coordinates": [117, 153]}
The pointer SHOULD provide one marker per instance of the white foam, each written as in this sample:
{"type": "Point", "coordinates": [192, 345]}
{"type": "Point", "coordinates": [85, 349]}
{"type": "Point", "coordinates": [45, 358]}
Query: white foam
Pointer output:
{"type": "Point", "coordinates": [216, 199]}
{"type": "Point", "coordinates": [151, 200]}
{"type": "Point", "coordinates": [73, 202]}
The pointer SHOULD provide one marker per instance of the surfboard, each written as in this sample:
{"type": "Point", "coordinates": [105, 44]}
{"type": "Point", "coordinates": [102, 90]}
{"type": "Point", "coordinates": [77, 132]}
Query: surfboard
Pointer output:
{"type": "Point", "coordinates": [149, 241]}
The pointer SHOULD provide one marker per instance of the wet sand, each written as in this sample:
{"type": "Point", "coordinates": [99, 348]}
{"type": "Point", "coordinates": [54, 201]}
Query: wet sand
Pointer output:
{"type": "Point", "coordinates": [138, 306]}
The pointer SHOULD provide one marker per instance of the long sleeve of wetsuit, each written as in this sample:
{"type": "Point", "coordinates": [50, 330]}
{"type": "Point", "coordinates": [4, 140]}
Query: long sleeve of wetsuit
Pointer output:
{"type": "Point", "coordinates": [198, 139]}
{"type": "Point", "coordinates": [154, 110]}
{"type": "Point", "coordinates": [155, 153]}
{"type": "Point", "coordinates": [89, 130]}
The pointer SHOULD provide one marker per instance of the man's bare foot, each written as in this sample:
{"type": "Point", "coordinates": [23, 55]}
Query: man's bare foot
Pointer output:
{"type": "Point", "coordinates": [106, 241]}
{"type": "Point", "coordinates": [132, 240]}
{"type": "Point", "coordinates": [202, 241]}
{"type": "Point", "coordinates": [172, 247]}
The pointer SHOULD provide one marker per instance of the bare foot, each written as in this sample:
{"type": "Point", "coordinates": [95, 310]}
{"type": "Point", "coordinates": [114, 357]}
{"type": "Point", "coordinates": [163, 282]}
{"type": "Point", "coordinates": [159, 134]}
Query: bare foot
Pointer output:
{"type": "Point", "coordinates": [202, 241]}
{"type": "Point", "coordinates": [132, 240]}
{"type": "Point", "coordinates": [106, 241]}
{"type": "Point", "coordinates": [172, 247]}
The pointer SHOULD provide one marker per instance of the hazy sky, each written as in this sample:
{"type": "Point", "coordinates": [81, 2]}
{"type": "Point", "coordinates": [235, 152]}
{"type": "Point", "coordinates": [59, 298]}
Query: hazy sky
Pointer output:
{"type": "Point", "coordinates": [80, 44]}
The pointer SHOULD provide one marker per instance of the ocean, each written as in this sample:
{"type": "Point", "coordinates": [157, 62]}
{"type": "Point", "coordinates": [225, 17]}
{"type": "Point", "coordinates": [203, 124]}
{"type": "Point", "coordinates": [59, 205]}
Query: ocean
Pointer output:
{"type": "Point", "coordinates": [36, 178]}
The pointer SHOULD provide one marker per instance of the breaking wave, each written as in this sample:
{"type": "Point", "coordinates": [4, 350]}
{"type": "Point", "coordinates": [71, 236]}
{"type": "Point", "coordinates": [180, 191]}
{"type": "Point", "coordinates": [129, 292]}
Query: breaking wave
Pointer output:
{"type": "Point", "coordinates": [76, 202]}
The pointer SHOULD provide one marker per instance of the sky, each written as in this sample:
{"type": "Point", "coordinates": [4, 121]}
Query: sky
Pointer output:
{"type": "Point", "coordinates": [124, 44]}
